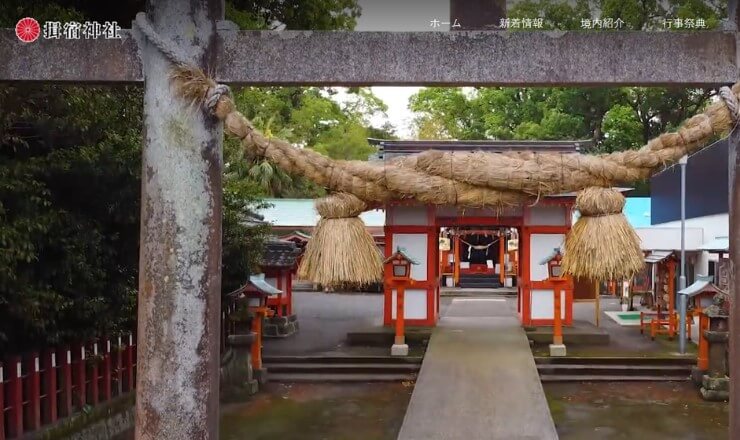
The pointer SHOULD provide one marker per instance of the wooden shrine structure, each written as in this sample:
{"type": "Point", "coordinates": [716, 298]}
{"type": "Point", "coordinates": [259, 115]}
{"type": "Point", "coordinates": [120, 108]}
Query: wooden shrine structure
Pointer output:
{"type": "Point", "coordinates": [181, 195]}
{"type": "Point", "coordinates": [416, 228]}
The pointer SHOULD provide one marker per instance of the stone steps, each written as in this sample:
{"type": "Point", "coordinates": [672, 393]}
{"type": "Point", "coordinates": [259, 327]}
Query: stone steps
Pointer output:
{"type": "Point", "coordinates": [613, 369]}
{"type": "Point", "coordinates": [616, 360]}
{"type": "Point", "coordinates": [340, 378]}
{"type": "Point", "coordinates": [609, 378]}
{"type": "Point", "coordinates": [341, 368]}
{"type": "Point", "coordinates": [473, 281]}
{"type": "Point", "coordinates": [341, 360]}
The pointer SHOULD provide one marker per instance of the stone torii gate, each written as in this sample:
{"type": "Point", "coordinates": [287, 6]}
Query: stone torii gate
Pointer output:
{"type": "Point", "coordinates": [180, 260]}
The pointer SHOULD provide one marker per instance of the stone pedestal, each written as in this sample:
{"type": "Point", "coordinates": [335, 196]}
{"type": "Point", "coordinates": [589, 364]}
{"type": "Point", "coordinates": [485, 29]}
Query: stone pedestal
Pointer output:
{"type": "Point", "coordinates": [237, 377]}
{"type": "Point", "coordinates": [280, 326]}
{"type": "Point", "coordinates": [716, 383]}
{"type": "Point", "coordinates": [697, 375]}
{"type": "Point", "coordinates": [260, 375]}
{"type": "Point", "coordinates": [557, 350]}
{"type": "Point", "coordinates": [715, 389]}
{"type": "Point", "coordinates": [399, 350]}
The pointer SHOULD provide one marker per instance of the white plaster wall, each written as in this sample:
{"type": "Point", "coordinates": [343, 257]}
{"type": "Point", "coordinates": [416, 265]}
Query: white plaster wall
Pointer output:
{"type": "Point", "coordinates": [548, 216]}
{"type": "Point", "coordinates": [415, 246]}
{"type": "Point", "coordinates": [717, 225]}
{"type": "Point", "coordinates": [414, 304]}
{"type": "Point", "coordinates": [543, 304]}
{"type": "Point", "coordinates": [661, 238]}
{"type": "Point", "coordinates": [712, 226]}
{"type": "Point", "coordinates": [407, 215]}
{"type": "Point", "coordinates": [541, 245]}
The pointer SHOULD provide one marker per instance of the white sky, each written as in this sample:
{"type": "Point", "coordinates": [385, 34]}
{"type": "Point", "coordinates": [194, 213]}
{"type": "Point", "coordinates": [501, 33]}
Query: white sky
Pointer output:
{"type": "Point", "coordinates": [400, 15]}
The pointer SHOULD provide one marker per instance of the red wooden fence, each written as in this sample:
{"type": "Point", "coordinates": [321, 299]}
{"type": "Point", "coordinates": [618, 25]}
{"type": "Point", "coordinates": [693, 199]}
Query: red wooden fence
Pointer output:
{"type": "Point", "coordinates": [39, 388]}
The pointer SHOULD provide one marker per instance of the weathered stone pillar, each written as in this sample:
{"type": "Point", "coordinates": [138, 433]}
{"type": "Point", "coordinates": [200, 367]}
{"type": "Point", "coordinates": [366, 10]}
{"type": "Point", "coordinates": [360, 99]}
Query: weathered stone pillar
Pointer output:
{"type": "Point", "coordinates": [177, 391]}
{"type": "Point", "coordinates": [716, 383]}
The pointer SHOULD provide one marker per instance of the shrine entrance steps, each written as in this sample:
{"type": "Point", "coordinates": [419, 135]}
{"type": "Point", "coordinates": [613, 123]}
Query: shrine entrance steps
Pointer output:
{"type": "Point", "coordinates": [478, 379]}
{"type": "Point", "coordinates": [614, 369]}
{"type": "Point", "coordinates": [341, 368]}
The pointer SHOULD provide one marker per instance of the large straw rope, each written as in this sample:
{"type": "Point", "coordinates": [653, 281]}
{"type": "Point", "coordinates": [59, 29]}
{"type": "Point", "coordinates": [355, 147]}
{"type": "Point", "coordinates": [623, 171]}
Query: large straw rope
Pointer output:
{"type": "Point", "coordinates": [601, 245]}
{"type": "Point", "coordinates": [477, 178]}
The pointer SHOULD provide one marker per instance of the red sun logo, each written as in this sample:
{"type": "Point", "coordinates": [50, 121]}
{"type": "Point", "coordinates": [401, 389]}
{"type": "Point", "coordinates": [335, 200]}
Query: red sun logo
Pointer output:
{"type": "Point", "coordinates": [27, 29]}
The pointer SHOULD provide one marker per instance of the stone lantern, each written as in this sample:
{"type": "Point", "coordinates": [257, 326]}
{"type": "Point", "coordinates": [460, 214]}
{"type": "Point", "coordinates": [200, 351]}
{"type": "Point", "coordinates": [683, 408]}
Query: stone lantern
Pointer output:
{"type": "Point", "coordinates": [716, 383]}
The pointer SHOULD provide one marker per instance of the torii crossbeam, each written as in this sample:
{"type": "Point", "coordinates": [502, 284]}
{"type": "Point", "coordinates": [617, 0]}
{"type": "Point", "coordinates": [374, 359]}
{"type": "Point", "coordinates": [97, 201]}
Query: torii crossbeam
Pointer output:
{"type": "Point", "coordinates": [180, 264]}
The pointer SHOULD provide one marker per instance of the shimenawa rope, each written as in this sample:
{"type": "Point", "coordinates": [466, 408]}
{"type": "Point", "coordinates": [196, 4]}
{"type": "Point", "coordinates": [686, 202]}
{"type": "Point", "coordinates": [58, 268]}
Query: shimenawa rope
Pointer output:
{"type": "Point", "coordinates": [472, 179]}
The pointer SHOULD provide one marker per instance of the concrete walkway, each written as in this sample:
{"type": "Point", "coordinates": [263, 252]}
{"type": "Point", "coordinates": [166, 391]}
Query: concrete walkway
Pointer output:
{"type": "Point", "coordinates": [478, 379]}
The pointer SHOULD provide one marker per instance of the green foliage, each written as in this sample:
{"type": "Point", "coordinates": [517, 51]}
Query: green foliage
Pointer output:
{"type": "Point", "coordinates": [613, 118]}
{"type": "Point", "coordinates": [309, 117]}
{"type": "Point", "coordinates": [70, 160]}
{"type": "Point", "coordinates": [294, 14]}
{"type": "Point", "coordinates": [69, 198]}
{"type": "Point", "coordinates": [622, 129]}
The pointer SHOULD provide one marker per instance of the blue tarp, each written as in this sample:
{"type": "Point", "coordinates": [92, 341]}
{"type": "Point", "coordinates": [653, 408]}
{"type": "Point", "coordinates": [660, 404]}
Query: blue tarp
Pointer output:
{"type": "Point", "coordinates": [637, 211]}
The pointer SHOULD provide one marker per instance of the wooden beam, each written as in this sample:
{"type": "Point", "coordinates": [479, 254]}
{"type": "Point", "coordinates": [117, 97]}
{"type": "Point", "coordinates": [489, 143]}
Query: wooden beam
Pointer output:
{"type": "Point", "coordinates": [500, 58]}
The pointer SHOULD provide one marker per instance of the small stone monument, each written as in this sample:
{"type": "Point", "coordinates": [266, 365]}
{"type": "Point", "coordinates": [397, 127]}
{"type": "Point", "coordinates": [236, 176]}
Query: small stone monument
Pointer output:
{"type": "Point", "coordinates": [716, 383]}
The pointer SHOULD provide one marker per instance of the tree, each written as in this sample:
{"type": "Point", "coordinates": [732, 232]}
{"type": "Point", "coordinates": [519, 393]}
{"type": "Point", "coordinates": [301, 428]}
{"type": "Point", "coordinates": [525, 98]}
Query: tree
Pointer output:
{"type": "Point", "coordinates": [69, 212]}
{"type": "Point", "coordinates": [310, 117]}
{"type": "Point", "coordinates": [70, 160]}
{"type": "Point", "coordinates": [613, 118]}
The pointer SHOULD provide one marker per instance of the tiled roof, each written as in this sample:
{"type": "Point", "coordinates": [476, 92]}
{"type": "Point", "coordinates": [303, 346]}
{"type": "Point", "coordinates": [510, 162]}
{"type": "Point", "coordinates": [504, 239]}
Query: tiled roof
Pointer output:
{"type": "Point", "coordinates": [280, 253]}
{"type": "Point", "coordinates": [702, 284]}
{"type": "Point", "coordinates": [258, 281]}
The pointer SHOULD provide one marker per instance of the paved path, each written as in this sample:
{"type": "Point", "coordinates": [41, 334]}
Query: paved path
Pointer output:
{"type": "Point", "coordinates": [478, 379]}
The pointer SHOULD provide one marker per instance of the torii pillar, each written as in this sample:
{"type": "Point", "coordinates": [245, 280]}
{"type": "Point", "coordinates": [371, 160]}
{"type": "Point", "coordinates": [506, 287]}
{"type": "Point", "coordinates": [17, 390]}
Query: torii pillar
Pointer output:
{"type": "Point", "coordinates": [734, 233]}
{"type": "Point", "coordinates": [177, 395]}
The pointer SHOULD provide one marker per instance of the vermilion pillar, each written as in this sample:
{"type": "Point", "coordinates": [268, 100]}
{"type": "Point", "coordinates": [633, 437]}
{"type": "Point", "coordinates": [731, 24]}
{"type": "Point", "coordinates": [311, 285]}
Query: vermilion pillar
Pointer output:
{"type": "Point", "coordinates": [501, 257]}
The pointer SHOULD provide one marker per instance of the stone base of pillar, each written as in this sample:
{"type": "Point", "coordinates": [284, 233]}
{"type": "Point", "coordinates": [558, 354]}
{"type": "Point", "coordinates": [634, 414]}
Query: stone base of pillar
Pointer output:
{"type": "Point", "coordinates": [280, 326]}
{"type": "Point", "coordinates": [715, 389]}
{"type": "Point", "coordinates": [557, 350]}
{"type": "Point", "coordinates": [260, 375]}
{"type": "Point", "coordinates": [399, 350]}
{"type": "Point", "coordinates": [697, 375]}
{"type": "Point", "coordinates": [237, 379]}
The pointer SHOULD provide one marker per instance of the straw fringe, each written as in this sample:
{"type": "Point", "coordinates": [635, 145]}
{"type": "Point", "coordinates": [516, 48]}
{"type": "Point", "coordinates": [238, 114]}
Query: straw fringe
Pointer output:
{"type": "Point", "coordinates": [602, 244]}
{"type": "Point", "coordinates": [341, 250]}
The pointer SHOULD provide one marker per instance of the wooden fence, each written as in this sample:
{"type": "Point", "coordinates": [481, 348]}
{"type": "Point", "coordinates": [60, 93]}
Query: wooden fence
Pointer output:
{"type": "Point", "coordinates": [39, 388]}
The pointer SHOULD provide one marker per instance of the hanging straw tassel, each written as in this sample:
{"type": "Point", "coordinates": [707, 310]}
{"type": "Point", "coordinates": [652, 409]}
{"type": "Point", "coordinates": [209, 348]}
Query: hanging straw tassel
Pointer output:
{"type": "Point", "coordinates": [341, 250]}
{"type": "Point", "coordinates": [602, 245]}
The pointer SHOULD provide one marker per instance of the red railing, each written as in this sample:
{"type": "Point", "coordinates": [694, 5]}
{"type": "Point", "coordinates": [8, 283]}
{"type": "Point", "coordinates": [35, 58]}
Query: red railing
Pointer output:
{"type": "Point", "coordinates": [37, 389]}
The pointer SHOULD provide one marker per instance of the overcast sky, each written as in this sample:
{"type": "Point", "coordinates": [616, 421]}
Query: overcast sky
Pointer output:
{"type": "Point", "coordinates": [401, 15]}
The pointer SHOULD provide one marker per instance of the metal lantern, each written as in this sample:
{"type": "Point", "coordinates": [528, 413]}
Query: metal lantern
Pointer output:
{"type": "Point", "coordinates": [400, 266]}
{"type": "Point", "coordinates": [554, 264]}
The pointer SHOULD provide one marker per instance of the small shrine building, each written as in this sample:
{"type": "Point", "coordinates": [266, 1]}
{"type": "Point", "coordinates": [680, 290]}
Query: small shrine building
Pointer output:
{"type": "Point", "coordinates": [480, 238]}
